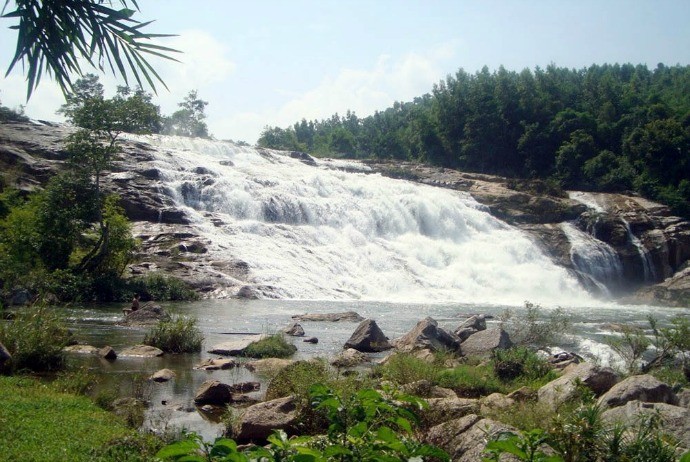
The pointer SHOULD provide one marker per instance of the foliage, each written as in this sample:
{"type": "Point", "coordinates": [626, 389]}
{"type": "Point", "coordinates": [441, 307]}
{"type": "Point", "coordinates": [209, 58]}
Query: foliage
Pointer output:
{"type": "Point", "coordinates": [631, 345]}
{"type": "Point", "coordinates": [527, 447]}
{"type": "Point", "coordinates": [35, 339]}
{"type": "Point", "coordinates": [179, 335]}
{"type": "Point", "coordinates": [296, 379]}
{"type": "Point", "coordinates": [531, 329]}
{"type": "Point", "coordinates": [40, 423]}
{"type": "Point", "coordinates": [157, 286]}
{"type": "Point", "coordinates": [12, 115]}
{"type": "Point", "coordinates": [607, 127]}
{"type": "Point", "coordinates": [471, 381]}
{"type": "Point", "coordinates": [364, 426]}
{"type": "Point", "coordinates": [271, 346]}
{"type": "Point", "coordinates": [518, 362]}
{"type": "Point", "coordinates": [402, 368]}
{"type": "Point", "coordinates": [53, 36]}
{"type": "Point", "coordinates": [189, 119]}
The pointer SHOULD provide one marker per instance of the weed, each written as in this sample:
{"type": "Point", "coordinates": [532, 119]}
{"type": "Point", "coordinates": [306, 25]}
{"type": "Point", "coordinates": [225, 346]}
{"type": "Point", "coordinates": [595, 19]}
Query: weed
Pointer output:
{"type": "Point", "coordinates": [471, 381]}
{"type": "Point", "coordinates": [179, 335]}
{"type": "Point", "coordinates": [405, 368]}
{"type": "Point", "coordinates": [533, 328]}
{"type": "Point", "coordinates": [272, 346]}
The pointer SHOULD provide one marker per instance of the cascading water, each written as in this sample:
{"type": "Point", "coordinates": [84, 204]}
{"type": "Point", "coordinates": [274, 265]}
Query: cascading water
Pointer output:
{"type": "Point", "coordinates": [324, 231]}
{"type": "Point", "coordinates": [593, 258]}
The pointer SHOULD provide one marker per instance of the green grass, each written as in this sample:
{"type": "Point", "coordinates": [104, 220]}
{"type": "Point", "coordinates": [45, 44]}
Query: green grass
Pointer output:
{"type": "Point", "coordinates": [179, 335]}
{"type": "Point", "coordinates": [273, 346]}
{"type": "Point", "coordinates": [41, 424]}
{"type": "Point", "coordinates": [404, 368]}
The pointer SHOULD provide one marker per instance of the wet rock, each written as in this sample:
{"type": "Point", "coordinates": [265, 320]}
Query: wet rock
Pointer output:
{"type": "Point", "coordinates": [294, 330]}
{"type": "Point", "coordinates": [471, 325]}
{"type": "Point", "coordinates": [484, 342]}
{"type": "Point", "coordinates": [108, 353]}
{"type": "Point", "coordinates": [214, 364]}
{"type": "Point", "coordinates": [213, 392]}
{"type": "Point", "coordinates": [141, 351]}
{"type": "Point", "coordinates": [163, 375]}
{"type": "Point", "coordinates": [248, 292]}
{"type": "Point", "coordinates": [350, 358]}
{"type": "Point", "coordinates": [268, 366]}
{"type": "Point", "coordinates": [312, 340]}
{"type": "Point", "coordinates": [368, 337]}
{"type": "Point", "coordinates": [235, 347]}
{"type": "Point", "coordinates": [598, 379]}
{"type": "Point", "coordinates": [646, 388]}
{"type": "Point", "coordinates": [81, 349]}
{"type": "Point", "coordinates": [259, 421]}
{"type": "Point", "coordinates": [348, 316]}
{"type": "Point", "coordinates": [149, 313]}
{"type": "Point", "coordinates": [426, 335]}
{"type": "Point", "coordinates": [245, 387]}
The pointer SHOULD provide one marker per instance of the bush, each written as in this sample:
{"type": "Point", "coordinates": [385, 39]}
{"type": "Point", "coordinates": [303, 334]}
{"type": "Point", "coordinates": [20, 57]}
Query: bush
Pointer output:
{"type": "Point", "coordinates": [533, 329]}
{"type": "Point", "coordinates": [156, 286]}
{"type": "Point", "coordinates": [273, 346]}
{"type": "Point", "coordinates": [471, 381]}
{"type": "Point", "coordinates": [404, 368]}
{"type": "Point", "coordinates": [35, 339]}
{"type": "Point", "coordinates": [519, 362]}
{"type": "Point", "coordinates": [296, 379]}
{"type": "Point", "coordinates": [179, 335]}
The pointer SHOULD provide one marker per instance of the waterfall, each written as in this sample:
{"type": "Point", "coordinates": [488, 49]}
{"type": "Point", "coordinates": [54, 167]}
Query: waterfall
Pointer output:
{"type": "Point", "coordinates": [328, 229]}
{"type": "Point", "coordinates": [594, 259]}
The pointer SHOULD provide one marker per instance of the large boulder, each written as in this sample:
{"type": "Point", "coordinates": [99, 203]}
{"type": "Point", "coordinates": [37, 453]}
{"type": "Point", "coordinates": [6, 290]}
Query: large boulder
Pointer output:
{"type": "Point", "coordinates": [465, 439]}
{"type": "Point", "coordinates": [268, 366]}
{"type": "Point", "coordinates": [257, 422]}
{"type": "Point", "coordinates": [349, 358]}
{"type": "Point", "coordinates": [646, 388]}
{"type": "Point", "coordinates": [442, 410]}
{"type": "Point", "coordinates": [141, 351]}
{"type": "Point", "coordinates": [368, 337]}
{"type": "Point", "coordinates": [675, 420]}
{"type": "Point", "coordinates": [471, 325]}
{"type": "Point", "coordinates": [482, 343]}
{"type": "Point", "coordinates": [213, 392]}
{"type": "Point", "coordinates": [294, 330]}
{"type": "Point", "coordinates": [163, 375]}
{"type": "Point", "coordinates": [349, 316]}
{"type": "Point", "coordinates": [107, 352]}
{"type": "Point", "coordinates": [598, 379]}
{"type": "Point", "coordinates": [149, 313]}
{"type": "Point", "coordinates": [427, 335]}
{"type": "Point", "coordinates": [235, 347]}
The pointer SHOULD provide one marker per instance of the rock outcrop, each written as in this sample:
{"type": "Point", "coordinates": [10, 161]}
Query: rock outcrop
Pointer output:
{"type": "Point", "coordinates": [257, 422]}
{"type": "Point", "coordinates": [598, 379]}
{"type": "Point", "coordinates": [645, 388]}
{"type": "Point", "coordinates": [483, 342]}
{"type": "Point", "coordinates": [368, 337]}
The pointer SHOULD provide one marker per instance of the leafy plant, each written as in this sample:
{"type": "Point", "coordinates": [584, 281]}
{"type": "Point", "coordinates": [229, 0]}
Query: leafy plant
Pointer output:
{"type": "Point", "coordinates": [402, 368]}
{"type": "Point", "coordinates": [179, 335]}
{"type": "Point", "coordinates": [471, 381]}
{"type": "Point", "coordinates": [272, 346]}
{"type": "Point", "coordinates": [525, 447]}
{"type": "Point", "coordinates": [519, 362]}
{"type": "Point", "coordinates": [630, 346]}
{"type": "Point", "coordinates": [533, 329]}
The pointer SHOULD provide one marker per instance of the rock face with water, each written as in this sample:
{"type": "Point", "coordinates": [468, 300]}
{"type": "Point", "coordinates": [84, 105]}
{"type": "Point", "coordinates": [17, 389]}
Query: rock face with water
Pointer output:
{"type": "Point", "coordinates": [199, 206]}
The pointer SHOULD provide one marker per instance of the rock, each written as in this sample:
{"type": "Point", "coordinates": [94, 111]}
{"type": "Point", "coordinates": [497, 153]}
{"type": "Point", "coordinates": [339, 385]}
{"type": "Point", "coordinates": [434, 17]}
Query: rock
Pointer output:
{"type": "Point", "coordinates": [248, 292]}
{"type": "Point", "coordinates": [213, 392]}
{"type": "Point", "coordinates": [235, 347]}
{"type": "Point", "coordinates": [349, 316]}
{"type": "Point", "coordinates": [163, 375]}
{"type": "Point", "coordinates": [645, 388]}
{"type": "Point", "coordinates": [257, 422]}
{"type": "Point", "coordinates": [368, 337]}
{"type": "Point", "coordinates": [294, 330]}
{"type": "Point", "coordinates": [598, 379]}
{"type": "Point", "coordinates": [470, 326]}
{"type": "Point", "coordinates": [684, 397]}
{"type": "Point", "coordinates": [444, 409]}
{"type": "Point", "coordinates": [427, 335]}
{"type": "Point", "coordinates": [425, 389]}
{"type": "Point", "coordinates": [81, 349]}
{"type": "Point", "coordinates": [268, 366]}
{"type": "Point", "coordinates": [20, 297]}
{"type": "Point", "coordinates": [141, 351]}
{"type": "Point", "coordinates": [495, 401]}
{"type": "Point", "coordinates": [349, 358]}
{"type": "Point", "coordinates": [214, 364]}
{"type": "Point", "coordinates": [107, 352]}
{"type": "Point", "coordinates": [464, 439]}
{"type": "Point", "coordinates": [523, 394]}
{"type": "Point", "coordinates": [483, 342]}
{"type": "Point", "coordinates": [149, 313]}
{"type": "Point", "coordinates": [563, 359]}
{"type": "Point", "coordinates": [312, 340]}
{"type": "Point", "coordinates": [675, 420]}
{"type": "Point", "coordinates": [244, 387]}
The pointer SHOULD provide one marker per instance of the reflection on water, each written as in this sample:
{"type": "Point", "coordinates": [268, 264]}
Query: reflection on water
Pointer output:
{"type": "Point", "coordinates": [220, 320]}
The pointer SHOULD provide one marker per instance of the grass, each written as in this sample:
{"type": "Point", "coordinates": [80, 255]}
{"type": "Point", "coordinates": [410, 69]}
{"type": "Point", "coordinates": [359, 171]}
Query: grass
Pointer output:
{"type": "Point", "coordinates": [404, 368]}
{"type": "Point", "coordinates": [39, 423]}
{"type": "Point", "coordinates": [179, 335]}
{"type": "Point", "coordinates": [272, 346]}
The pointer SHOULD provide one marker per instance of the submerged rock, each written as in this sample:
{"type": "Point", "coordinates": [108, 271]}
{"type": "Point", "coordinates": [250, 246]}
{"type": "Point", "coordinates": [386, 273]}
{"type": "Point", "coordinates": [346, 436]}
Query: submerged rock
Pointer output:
{"type": "Point", "coordinates": [213, 392]}
{"type": "Point", "coordinates": [235, 347]}
{"type": "Point", "coordinates": [81, 349]}
{"type": "Point", "coordinates": [142, 351]}
{"type": "Point", "coordinates": [348, 316]}
{"type": "Point", "coordinates": [214, 364]}
{"type": "Point", "coordinates": [163, 375]}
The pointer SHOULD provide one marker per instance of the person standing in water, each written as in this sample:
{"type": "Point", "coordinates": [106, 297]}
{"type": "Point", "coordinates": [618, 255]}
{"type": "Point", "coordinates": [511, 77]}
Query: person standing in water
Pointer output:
{"type": "Point", "coordinates": [135, 305]}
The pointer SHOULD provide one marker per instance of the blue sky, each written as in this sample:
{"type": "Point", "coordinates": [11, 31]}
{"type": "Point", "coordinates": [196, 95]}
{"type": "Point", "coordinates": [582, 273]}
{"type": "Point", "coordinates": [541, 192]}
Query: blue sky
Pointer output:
{"type": "Point", "coordinates": [265, 62]}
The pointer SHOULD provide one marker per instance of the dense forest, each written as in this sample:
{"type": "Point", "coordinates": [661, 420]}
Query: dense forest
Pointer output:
{"type": "Point", "coordinates": [603, 128]}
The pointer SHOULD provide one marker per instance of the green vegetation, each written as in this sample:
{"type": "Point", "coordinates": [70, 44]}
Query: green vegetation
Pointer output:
{"type": "Point", "coordinates": [179, 335]}
{"type": "Point", "coordinates": [533, 329]}
{"type": "Point", "coordinates": [271, 346]}
{"type": "Point", "coordinates": [189, 119]}
{"type": "Point", "coordinates": [157, 286]}
{"type": "Point", "coordinates": [603, 128]}
{"type": "Point", "coordinates": [35, 339]}
{"type": "Point", "coordinates": [40, 423]}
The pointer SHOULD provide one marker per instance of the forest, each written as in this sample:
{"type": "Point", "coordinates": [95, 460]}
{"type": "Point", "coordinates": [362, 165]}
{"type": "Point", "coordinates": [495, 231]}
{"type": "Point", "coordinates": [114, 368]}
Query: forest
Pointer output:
{"type": "Point", "coordinates": [610, 128]}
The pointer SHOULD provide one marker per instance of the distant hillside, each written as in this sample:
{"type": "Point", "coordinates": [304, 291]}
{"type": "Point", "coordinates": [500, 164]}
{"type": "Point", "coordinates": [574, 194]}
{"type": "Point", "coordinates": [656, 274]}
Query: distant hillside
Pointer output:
{"type": "Point", "coordinates": [603, 128]}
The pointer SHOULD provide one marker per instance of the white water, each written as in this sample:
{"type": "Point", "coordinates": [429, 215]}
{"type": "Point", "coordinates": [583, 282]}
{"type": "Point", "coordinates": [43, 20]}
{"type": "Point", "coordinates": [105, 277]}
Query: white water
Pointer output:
{"type": "Point", "coordinates": [319, 232]}
{"type": "Point", "coordinates": [593, 258]}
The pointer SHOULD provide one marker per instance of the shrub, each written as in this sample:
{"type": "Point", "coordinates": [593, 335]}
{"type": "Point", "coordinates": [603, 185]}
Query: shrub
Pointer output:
{"type": "Point", "coordinates": [272, 346]}
{"type": "Point", "coordinates": [179, 335]}
{"type": "Point", "coordinates": [35, 339]}
{"type": "Point", "coordinates": [471, 381]}
{"type": "Point", "coordinates": [533, 329]}
{"type": "Point", "coordinates": [519, 362]}
{"type": "Point", "coordinates": [404, 368]}
{"type": "Point", "coordinates": [156, 286]}
{"type": "Point", "coordinates": [296, 379]}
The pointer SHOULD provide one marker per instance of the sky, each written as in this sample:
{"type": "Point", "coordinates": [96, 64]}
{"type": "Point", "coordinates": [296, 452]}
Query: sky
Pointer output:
{"type": "Point", "coordinates": [271, 63]}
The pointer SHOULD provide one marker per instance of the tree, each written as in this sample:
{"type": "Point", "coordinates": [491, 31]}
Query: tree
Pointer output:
{"type": "Point", "coordinates": [189, 119]}
{"type": "Point", "coordinates": [53, 34]}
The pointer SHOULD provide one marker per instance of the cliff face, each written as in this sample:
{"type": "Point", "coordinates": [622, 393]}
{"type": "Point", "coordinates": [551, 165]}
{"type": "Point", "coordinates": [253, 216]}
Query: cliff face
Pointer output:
{"type": "Point", "coordinates": [650, 244]}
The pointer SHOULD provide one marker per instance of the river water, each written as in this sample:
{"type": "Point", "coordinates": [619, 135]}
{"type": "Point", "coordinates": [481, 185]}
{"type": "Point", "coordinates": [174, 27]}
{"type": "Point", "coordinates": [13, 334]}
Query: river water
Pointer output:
{"type": "Point", "coordinates": [222, 320]}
